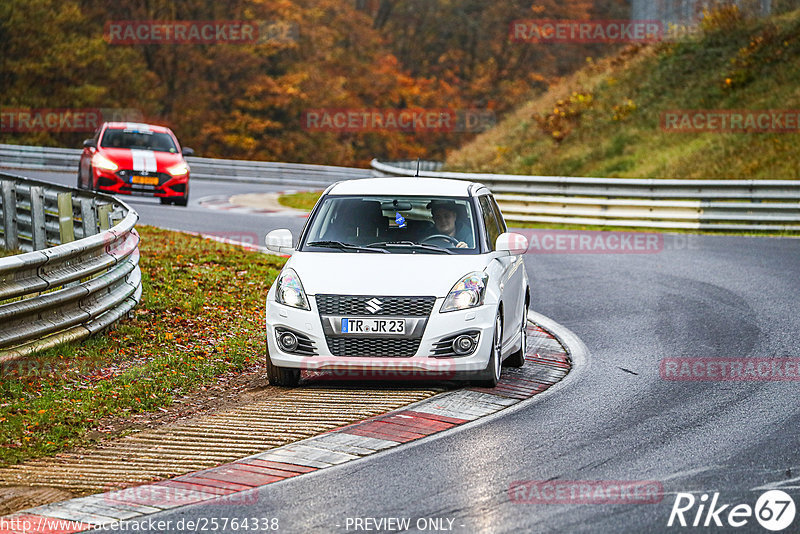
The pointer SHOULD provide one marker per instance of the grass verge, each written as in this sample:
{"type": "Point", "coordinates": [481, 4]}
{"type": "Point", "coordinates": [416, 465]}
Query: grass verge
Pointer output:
{"type": "Point", "coordinates": [201, 317]}
{"type": "Point", "coordinates": [300, 201]}
{"type": "Point", "coordinates": [606, 120]}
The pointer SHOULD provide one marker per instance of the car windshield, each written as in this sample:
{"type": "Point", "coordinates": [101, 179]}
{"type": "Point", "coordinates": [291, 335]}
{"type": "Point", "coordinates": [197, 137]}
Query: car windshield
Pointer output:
{"type": "Point", "coordinates": [138, 139]}
{"type": "Point", "coordinates": [397, 224]}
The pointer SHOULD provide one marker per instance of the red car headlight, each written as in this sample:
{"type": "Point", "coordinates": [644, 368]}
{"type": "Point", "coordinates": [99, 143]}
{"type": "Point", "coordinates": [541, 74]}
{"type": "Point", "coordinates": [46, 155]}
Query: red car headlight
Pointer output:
{"type": "Point", "coordinates": [99, 161]}
{"type": "Point", "coordinates": [180, 169]}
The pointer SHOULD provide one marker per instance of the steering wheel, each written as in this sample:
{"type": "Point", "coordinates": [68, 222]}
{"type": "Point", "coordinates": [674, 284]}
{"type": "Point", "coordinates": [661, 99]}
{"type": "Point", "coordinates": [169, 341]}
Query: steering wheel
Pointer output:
{"type": "Point", "coordinates": [450, 239]}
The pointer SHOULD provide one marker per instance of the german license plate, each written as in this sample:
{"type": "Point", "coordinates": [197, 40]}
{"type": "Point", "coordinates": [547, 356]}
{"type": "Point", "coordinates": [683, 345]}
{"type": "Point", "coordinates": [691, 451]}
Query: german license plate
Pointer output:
{"type": "Point", "coordinates": [374, 326]}
{"type": "Point", "coordinates": [145, 180]}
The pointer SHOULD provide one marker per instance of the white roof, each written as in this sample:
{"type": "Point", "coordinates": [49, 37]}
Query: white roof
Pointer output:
{"type": "Point", "coordinates": [428, 187]}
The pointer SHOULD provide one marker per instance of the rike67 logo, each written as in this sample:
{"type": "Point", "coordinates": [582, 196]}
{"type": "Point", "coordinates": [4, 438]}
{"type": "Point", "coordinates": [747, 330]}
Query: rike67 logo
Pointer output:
{"type": "Point", "coordinates": [774, 510]}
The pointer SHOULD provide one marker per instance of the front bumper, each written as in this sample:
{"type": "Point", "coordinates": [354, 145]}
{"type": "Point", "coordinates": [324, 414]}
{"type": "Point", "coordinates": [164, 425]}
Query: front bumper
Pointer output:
{"type": "Point", "coordinates": [118, 183]}
{"type": "Point", "coordinates": [422, 363]}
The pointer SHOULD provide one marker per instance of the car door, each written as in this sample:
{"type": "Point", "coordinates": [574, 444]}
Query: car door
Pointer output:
{"type": "Point", "coordinates": [517, 276]}
{"type": "Point", "coordinates": [505, 266]}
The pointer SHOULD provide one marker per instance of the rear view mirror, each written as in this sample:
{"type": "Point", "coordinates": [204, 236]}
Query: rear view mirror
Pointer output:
{"type": "Point", "coordinates": [89, 143]}
{"type": "Point", "coordinates": [396, 206]}
{"type": "Point", "coordinates": [280, 241]}
{"type": "Point", "coordinates": [516, 244]}
{"type": "Point", "coordinates": [186, 151]}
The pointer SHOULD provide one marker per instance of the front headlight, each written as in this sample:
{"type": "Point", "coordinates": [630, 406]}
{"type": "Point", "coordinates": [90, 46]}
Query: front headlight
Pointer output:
{"type": "Point", "coordinates": [290, 291]}
{"type": "Point", "coordinates": [99, 161]}
{"type": "Point", "coordinates": [179, 170]}
{"type": "Point", "coordinates": [467, 293]}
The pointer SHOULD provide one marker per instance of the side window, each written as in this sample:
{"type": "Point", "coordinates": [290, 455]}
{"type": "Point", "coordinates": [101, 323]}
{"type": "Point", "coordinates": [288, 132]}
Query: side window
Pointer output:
{"type": "Point", "coordinates": [490, 223]}
{"type": "Point", "coordinates": [500, 221]}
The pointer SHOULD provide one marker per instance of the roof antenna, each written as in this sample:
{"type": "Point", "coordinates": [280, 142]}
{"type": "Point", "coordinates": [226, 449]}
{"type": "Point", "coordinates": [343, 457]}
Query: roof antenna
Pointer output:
{"type": "Point", "coordinates": [417, 175]}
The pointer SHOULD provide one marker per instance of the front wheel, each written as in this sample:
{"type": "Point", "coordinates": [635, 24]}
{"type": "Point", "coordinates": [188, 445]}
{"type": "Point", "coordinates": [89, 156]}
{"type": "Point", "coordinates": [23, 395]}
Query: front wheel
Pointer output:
{"type": "Point", "coordinates": [282, 376]}
{"type": "Point", "coordinates": [518, 358]}
{"type": "Point", "coordinates": [495, 366]}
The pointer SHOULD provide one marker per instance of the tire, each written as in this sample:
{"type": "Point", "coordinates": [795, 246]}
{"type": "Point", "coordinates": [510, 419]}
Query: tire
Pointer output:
{"type": "Point", "coordinates": [518, 358]}
{"type": "Point", "coordinates": [80, 184]}
{"type": "Point", "coordinates": [183, 201]}
{"type": "Point", "coordinates": [494, 368]}
{"type": "Point", "coordinates": [165, 200]}
{"type": "Point", "coordinates": [282, 376]}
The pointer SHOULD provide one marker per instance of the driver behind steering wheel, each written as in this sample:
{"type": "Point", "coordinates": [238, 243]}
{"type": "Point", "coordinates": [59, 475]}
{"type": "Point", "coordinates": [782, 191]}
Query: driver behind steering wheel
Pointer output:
{"type": "Point", "coordinates": [445, 220]}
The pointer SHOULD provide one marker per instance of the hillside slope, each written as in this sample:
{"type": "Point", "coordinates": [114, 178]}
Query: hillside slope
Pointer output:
{"type": "Point", "coordinates": [606, 119]}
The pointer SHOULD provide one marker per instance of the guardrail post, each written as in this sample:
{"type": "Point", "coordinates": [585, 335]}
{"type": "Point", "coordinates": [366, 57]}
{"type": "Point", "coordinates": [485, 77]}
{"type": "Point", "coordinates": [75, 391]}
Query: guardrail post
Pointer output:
{"type": "Point", "coordinates": [9, 198]}
{"type": "Point", "coordinates": [88, 216]}
{"type": "Point", "coordinates": [66, 224]}
{"type": "Point", "coordinates": [104, 216]}
{"type": "Point", "coordinates": [38, 229]}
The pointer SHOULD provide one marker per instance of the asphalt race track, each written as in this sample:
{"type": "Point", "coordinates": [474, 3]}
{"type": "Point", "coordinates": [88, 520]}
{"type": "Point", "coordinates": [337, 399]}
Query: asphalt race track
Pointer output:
{"type": "Point", "coordinates": [614, 420]}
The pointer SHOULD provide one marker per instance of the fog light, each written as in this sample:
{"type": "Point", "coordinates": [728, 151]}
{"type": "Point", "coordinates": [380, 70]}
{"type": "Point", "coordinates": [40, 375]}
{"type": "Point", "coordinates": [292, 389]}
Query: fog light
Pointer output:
{"type": "Point", "coordinates": [463, 345]}
{"type": "Point", "coordinates": [288, 341]}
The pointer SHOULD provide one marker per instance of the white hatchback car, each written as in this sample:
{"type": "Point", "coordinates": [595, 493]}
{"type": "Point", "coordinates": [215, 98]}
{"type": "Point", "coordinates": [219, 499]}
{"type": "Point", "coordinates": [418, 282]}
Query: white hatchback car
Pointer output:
{"type": "Point", "coordinates": [399, 278]}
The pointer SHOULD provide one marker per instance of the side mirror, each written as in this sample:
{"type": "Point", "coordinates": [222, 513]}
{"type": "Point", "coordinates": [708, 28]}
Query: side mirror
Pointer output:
{"type": "Point", "coordinates": [89, 143]}
{"type": "Point", "coordinates": [280, 242]}
{"type": "Point", "coordinates": [186, 151]}
{"type": "Point", "coordinates": [516, 244]}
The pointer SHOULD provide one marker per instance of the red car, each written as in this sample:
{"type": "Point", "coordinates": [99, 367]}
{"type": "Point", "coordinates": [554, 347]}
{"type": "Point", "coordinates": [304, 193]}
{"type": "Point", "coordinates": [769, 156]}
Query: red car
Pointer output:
{"type": "Point", "coordinates": [126, 158]}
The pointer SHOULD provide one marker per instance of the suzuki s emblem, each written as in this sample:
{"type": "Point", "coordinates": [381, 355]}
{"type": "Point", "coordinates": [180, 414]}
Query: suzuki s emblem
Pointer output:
{"type": "Point", "coordinates": [374, 306]}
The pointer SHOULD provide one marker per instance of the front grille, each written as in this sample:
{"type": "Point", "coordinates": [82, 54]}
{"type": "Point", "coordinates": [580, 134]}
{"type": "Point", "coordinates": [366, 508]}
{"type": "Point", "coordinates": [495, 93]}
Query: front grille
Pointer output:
{"type": "Point", "coordinates": [139, 190]}
{"type": "Point", "coordinates": [386, 348]}
{"type": "Point", "coordinates": [389, 306]}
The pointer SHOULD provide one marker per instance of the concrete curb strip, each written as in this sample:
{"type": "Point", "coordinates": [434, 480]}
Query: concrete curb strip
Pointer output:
{"type": "Point", "coordinates": [549, 359]}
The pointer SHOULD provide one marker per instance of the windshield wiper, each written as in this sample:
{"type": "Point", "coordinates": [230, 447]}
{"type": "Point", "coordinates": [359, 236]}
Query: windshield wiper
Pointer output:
{"type": "Point", "coordinates": [411, 244]}
{"type": "Point", "coordinates": [345, 246]}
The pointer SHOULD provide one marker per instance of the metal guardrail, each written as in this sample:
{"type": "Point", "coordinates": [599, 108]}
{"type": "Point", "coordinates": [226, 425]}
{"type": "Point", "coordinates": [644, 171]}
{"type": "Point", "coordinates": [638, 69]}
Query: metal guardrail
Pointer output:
{"type": "Point", "coordinates": [260, 172]}
{"type": "Point", "coordinates": [725, 205]}
{"type": "Point", "coordinates": [738, 205]}
{"type": "Point", "coordinates": [79, 269]}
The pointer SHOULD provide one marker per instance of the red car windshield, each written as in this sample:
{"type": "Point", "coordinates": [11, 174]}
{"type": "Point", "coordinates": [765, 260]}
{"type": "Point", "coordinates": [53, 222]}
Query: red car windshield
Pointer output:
{"type": "Point", "coordinates": [138, 139]}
